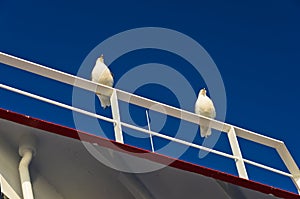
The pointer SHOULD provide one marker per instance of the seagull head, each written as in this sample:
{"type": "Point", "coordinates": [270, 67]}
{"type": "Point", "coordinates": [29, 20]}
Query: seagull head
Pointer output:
{"type": "Point", "coordinates": [202, 92]}
{"type": "Point", "coordinates": [101, 58]}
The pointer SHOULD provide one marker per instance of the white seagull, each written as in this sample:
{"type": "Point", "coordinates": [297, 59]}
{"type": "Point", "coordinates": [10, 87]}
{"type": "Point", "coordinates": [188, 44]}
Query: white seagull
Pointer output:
{"type": "Point", "coordinates": [102, 75]}
{"type": "Point", "coordinates": [204, 106]}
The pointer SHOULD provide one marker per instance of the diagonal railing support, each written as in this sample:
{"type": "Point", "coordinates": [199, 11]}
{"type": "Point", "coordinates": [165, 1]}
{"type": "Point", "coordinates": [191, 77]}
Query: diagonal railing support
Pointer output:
{"type": "Point", "coordinates": [234, 144]}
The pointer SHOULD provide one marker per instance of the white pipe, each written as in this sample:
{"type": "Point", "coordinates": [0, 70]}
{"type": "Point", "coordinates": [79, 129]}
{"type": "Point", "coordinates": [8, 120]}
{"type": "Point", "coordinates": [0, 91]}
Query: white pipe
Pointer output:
{"type": "Point", "coordinates": [27, 149]}
{"type": "Point", "coordinates": [24, 173]}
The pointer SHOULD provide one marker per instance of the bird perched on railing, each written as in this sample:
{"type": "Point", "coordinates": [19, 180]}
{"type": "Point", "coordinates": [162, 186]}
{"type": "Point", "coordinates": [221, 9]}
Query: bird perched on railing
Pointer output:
{"type": "Point", "coordinates": [101, 74]}
{"type": "Point", "coordinates": [204, 106]}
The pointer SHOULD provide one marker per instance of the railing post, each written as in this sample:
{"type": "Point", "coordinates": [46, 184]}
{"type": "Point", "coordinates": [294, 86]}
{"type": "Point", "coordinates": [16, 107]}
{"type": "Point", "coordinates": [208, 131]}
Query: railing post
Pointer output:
{"type": "Point", "coordinates": [296, 181]}
{"type": "Point", "coordinates": [290, 164]}
{"type": "Point", "coordinates": [240, 165]}
{"type": "Point", "coordinates": [116, 117]}
{"type": "Point", "coordinates": [144, 102]}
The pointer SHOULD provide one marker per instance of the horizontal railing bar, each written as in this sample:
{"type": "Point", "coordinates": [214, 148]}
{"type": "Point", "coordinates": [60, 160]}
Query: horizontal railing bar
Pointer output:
{"type": "Point", "coordinates": [197, 119]}
{"type": "Point", "coordinates": [258, 138]}
{"type": "Point", "coordinates": [172, 111]}
{"type": "Point", "coordinates": [54, 74]}
{"type": "Point", "coordinates": [140, 129]}
{"type": "Point", "coordinates": [131, 98]}
{"type": "Point", "coordinates": [178, 140]}
{"type": "Point", "coordinates": [111, 120]}
{"type": "Point", "coordinates": [147, 103]}
{"type": "Point", "coordinates": [268, 168]}
{"type": "Point", "coordinates": [56, 103]}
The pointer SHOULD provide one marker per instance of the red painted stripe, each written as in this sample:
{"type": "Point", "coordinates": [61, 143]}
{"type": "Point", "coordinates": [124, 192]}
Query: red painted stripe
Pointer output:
{"type": "Point", "coordinates": [179, 164]}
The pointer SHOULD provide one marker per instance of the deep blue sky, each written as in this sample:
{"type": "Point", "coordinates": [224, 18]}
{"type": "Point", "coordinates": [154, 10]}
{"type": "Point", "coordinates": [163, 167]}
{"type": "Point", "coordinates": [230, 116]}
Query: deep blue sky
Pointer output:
{"type": "Point", "coordinates": [255, 45]}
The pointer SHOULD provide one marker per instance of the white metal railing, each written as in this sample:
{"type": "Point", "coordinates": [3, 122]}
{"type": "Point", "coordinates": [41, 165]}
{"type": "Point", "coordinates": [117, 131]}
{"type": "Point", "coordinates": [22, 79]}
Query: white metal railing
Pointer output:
{"type": "Point", "coordinates": [6, 190]}
{"type": "Point", "coordinates": [232, 131]}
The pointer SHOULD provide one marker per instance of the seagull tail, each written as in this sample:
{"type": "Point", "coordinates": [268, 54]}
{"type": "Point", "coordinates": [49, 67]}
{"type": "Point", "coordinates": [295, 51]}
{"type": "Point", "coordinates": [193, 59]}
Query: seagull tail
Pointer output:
{"type": "Point", "coordinates": [104, 100]}
{"type": "Point", "coordinates": [205, 131]}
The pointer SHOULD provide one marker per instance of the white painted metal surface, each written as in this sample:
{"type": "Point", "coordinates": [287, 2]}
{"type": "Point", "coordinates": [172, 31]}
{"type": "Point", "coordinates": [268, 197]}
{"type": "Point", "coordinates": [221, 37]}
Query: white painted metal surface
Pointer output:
{"type": "Point", "coordinates": [75, 173]}
{"type": "Point", "coordinates": [116, 117]}
{"type": "Point", "coordinates": [27, 150]}
{"type": "Point", "coordinates": [240, 165]}
{"type": "Point", "coordinates": [7, 190]}
{"type": "Point", "coordinates": [43, 99]}
{"type": "Point", "coordinates": [9, 161]}
{"type": "Point", "coordinates": [24, 174]}
{"type": "Point", "coordinates": [231, 130]}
